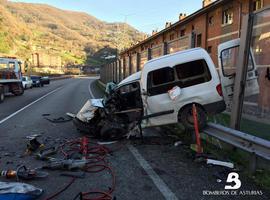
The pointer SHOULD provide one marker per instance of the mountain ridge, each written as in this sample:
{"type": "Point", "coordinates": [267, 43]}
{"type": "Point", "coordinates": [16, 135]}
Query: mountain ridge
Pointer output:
{"type": "Point", "coordinates": [26, 28]}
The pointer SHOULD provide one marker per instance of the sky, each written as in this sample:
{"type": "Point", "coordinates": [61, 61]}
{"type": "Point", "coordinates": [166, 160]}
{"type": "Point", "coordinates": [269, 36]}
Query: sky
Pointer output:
{"type": "Point", "coordinates": [144, 15]}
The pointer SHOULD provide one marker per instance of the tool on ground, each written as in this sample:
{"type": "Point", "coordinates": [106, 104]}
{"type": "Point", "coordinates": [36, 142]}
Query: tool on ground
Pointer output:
{"type": "Point", "coordinates": [74, 174]}
{"type": "Point", "coordinates": [199, 149]}
{"type": "Point", "coordinates": [45, 153]}
{"type": "Point", "coordinates": [68, 164]}
{"type": "Point", "coordinates": [23, 173]}
{"type": "Point", "coordinates": [94, 162]}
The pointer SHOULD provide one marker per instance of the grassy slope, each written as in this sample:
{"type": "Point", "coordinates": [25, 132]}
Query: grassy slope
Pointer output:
{"type": "Point", "coordinates": [26, 28]}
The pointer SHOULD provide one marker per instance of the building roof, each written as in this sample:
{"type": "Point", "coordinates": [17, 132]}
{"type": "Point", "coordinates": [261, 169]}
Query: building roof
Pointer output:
{"type": "Point", "coordinates": [183, 21]}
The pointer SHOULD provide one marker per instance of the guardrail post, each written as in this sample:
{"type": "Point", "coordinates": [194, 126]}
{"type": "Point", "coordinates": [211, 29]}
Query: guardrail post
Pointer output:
{"type": "Point", "coordinates": [252, 163]}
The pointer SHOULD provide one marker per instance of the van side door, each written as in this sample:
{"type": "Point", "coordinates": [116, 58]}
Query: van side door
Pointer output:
{"type": "Point", "coordinates": [159, 107]}
{"type": "Point", "coordinates": [228, 56]}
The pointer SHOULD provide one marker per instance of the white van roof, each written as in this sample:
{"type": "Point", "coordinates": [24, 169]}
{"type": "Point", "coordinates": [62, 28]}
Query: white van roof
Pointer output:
{"type": "Point", "coordinates": [175, 54]}
{"type": "Point", "coordinates": [131, 78]}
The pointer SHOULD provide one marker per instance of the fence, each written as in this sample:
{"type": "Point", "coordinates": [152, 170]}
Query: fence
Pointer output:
{"type": "Point", "coordinates": [122, 67]}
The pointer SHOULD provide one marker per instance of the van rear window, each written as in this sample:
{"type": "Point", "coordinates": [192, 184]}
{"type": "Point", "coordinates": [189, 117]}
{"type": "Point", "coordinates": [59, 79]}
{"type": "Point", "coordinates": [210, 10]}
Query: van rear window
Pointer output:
{"type": "Point", "coordinates": [192, 73]}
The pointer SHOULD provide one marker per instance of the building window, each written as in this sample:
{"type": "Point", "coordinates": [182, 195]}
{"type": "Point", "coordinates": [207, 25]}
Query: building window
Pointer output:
{"type": "Point", "coordinates": [172, 37]}
{"type": "Point", "coordinates": [199, 40]}
{"type": "Point", "coordinates": [227, 17]}
{"type": "Point", "coordinates": [257, 4]}
{"type": "Point", "coordinates": [209, 49]}
{"type": "Point", "coordinates": [211, 20]}
{"type": "Point", "coordinates": [182, 32]}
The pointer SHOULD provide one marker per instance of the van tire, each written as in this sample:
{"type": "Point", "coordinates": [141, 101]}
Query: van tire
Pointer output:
{"type": "Point", "coordinates": [2, 94]}
{"type": "Point", "coordinates": [186, 117]}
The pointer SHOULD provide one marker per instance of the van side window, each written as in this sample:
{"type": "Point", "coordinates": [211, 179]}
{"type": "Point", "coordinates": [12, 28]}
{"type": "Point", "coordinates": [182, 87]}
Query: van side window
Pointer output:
{"type": "Point", "coordinates": [160, 81]}
{"type": "Point", "coordinates": [161, 76]}
{"type": "Point", "coordinates": [192, 73]}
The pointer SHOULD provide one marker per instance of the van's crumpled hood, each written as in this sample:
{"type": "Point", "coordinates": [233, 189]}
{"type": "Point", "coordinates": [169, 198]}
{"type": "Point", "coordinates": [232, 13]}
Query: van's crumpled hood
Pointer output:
{"type": "Point", "coordinates": [88, 110]}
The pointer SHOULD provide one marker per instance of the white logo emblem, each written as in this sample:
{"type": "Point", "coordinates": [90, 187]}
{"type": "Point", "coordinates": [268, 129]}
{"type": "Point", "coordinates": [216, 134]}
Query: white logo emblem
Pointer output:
{"type": "Point", "coordinates": [233, 177]}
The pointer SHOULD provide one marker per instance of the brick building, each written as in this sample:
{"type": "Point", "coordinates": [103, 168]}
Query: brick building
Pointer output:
{"type": "Point", "coordinates": [216, 22]}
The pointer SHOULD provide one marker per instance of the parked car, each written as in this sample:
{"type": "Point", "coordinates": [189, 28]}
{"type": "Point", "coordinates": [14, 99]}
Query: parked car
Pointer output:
{"type": "Point", "coordinates": [144, 97]}
{"type": "Point", "coordinates": [37, 81]}
{"type": "Point", "coordinates": [45, 80]}
{"type": "Point", "coordinates": [27, 82]}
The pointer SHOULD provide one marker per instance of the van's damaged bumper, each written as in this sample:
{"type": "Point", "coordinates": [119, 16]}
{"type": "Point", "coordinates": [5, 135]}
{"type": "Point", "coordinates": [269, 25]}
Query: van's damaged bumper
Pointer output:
{"type": "Point", "coordinates": [100, 122]}
{"type": "Point", "coordinates": [88, 117]}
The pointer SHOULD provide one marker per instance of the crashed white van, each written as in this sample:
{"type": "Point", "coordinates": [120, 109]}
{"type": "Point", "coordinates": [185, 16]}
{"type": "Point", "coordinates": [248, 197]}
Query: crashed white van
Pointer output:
{"type": "Point", "coordinates": [162, 93]}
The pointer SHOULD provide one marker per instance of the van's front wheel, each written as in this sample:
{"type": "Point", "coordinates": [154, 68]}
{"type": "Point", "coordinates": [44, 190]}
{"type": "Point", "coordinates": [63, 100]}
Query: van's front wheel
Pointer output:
{"type": "Point", "coordinates": [186, 117]}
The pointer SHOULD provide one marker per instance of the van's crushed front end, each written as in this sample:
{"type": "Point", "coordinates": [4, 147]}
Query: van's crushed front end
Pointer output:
{"type": "Point", "coordinates": [100, 118]}
{"type": "Point", "coordinates": [88, 118]}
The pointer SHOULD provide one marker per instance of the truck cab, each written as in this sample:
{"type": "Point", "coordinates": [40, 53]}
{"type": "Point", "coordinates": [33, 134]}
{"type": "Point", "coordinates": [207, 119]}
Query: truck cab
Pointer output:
{"type": "Point", "coordinates": [10, 77]}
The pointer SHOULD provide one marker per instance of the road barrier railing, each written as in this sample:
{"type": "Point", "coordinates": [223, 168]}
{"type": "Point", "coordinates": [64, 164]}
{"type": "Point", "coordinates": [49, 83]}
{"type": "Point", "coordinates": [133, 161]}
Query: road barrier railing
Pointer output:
{"type": "Point", "coordinates": [256, 146]}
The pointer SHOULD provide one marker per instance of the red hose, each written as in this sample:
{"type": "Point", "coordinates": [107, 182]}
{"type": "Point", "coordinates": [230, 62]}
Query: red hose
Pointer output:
{"type": "Point", "coordinates": [95, 154]}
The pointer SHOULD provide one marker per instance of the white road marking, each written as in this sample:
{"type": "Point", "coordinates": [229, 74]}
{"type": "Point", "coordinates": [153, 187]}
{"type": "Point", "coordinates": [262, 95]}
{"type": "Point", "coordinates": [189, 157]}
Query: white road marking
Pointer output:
{"type": "Point", "coordinates": [160, 184]}
{"type": "Point", "coordinates": [18, 111]}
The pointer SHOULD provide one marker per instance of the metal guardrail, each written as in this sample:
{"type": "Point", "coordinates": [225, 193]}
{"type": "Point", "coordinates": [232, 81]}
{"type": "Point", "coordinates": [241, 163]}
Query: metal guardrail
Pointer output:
{"type": "Point", "coordinates": [246, 142]}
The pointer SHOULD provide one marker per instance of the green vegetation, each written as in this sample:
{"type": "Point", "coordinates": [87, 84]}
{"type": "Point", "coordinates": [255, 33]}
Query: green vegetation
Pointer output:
{"type": "Point", "coordinates": [68, 57]}
{"type": "Point", "coordinates": [4, 45]}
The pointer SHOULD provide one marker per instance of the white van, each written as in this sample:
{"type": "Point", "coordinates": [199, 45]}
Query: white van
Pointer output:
{"type": "Point", "coordinates": [143, 98]}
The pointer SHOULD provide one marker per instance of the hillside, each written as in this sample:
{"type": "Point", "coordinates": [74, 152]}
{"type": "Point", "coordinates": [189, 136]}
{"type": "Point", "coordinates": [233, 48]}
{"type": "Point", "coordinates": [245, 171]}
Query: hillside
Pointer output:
{"type": "Point", "coordinates": [74, 36]}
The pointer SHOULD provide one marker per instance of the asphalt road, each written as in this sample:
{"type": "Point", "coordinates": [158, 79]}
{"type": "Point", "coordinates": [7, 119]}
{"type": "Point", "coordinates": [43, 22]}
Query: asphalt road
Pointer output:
{"type": "Point", "coordinates": [153, 169]}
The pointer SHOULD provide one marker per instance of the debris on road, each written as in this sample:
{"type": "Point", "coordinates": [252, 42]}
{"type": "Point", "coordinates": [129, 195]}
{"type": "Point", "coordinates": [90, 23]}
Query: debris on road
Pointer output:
{"type": "Point", "coordinates": [58, 119]}
{"type": "Point", "coordinates": [19, 191]}
{"type": "Point", "coordinates": [107, 143]}
{"type": "Point", "coordinates": [220, 163]}
{"type": "Point", "coordinates": [176, 144]}
{"type": "Point", "coordinates": [33, 145]}
{"type": "Point", "coordinates": [31, 137]}
{"type": "Point", "coordinates": [71, 115]}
